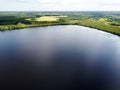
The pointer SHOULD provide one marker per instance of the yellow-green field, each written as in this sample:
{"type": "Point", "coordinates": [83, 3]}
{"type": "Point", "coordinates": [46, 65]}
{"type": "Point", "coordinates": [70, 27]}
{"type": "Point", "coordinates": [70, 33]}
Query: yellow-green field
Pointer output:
{"type": "Point", "coordinates": [49, 18]}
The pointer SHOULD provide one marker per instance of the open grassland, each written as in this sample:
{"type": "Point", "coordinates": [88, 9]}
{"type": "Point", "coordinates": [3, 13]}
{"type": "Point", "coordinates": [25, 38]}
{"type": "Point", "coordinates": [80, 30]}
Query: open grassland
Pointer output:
{"type": "Point", "coordinates": [49, 18]}
{"type": "Point", "coordinates": [101, 25]}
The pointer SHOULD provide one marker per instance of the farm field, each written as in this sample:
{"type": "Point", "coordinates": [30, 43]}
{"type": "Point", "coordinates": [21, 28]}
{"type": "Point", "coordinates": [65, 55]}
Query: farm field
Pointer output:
{"type": "Point", "coordinates": [50, 18]}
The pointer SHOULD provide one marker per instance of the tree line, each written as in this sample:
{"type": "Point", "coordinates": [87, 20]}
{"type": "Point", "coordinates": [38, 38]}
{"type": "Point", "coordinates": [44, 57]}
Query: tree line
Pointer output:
{"type": "Point", "coordinates": [12, 20]}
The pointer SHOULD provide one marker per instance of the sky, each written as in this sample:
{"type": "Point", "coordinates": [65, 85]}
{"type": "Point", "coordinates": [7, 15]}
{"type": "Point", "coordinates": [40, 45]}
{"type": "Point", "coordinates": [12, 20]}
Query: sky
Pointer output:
{"type": "Point", "coordinates": [59, 5]}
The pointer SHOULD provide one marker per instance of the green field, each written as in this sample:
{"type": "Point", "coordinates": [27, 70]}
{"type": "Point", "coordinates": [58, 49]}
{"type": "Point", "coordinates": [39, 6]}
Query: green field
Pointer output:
{"type": "Point", "coordinates": [49, 18]}
{"type": "Point", "coordinates": [101, 24]}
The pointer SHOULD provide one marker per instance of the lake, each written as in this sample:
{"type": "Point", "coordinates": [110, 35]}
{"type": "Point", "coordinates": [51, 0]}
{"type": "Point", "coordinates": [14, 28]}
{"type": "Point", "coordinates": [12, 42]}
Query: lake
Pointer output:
{"type": "Point", "coordinates": [59, 57]}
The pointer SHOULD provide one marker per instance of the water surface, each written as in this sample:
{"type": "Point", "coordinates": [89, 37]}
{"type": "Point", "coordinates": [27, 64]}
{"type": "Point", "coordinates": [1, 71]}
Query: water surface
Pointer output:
{"type": "Point", "coordinates": [59, 57]}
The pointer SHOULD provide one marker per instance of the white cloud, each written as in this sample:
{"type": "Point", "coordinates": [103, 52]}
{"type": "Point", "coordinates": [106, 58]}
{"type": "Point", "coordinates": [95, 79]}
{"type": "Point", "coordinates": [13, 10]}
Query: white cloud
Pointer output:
{"type": "Point", "coordinates": [60, 5]}
{"type": "Point", "coordinates": [79, 5]}
{"type": "Point", "coordinates": [43, 1]}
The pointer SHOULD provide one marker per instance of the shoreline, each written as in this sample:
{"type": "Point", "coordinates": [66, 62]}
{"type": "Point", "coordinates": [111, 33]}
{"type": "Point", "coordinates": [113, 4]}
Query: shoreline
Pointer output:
{"type": "Point", "coordinates": [45, 25]}
{"type": "Point", "coordinates": [102, 30]}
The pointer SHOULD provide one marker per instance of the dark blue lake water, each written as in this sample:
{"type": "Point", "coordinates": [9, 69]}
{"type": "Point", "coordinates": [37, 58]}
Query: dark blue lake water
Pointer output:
{"type": "Point", "coordinates": [59, 58]}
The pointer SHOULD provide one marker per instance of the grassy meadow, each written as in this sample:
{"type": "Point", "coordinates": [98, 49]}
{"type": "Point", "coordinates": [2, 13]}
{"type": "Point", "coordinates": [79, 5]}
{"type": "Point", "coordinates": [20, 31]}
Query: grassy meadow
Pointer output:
{"type": "Point", "coordinates": [47, 18]}
{"type": "Point", "coordinates": [50, 18]}
{"type": "Point", "coordinates": [101, 24]}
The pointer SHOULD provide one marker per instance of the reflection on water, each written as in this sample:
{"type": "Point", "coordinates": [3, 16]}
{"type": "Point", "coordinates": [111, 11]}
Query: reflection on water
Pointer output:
{"type": "Point", "coordinates": [60, 58]}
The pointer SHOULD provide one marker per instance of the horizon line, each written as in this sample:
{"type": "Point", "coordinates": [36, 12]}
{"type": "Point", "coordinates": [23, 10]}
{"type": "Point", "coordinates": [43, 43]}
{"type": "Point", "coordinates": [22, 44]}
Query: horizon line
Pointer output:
{"type": "Point", "coordinates": [61, 11]}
